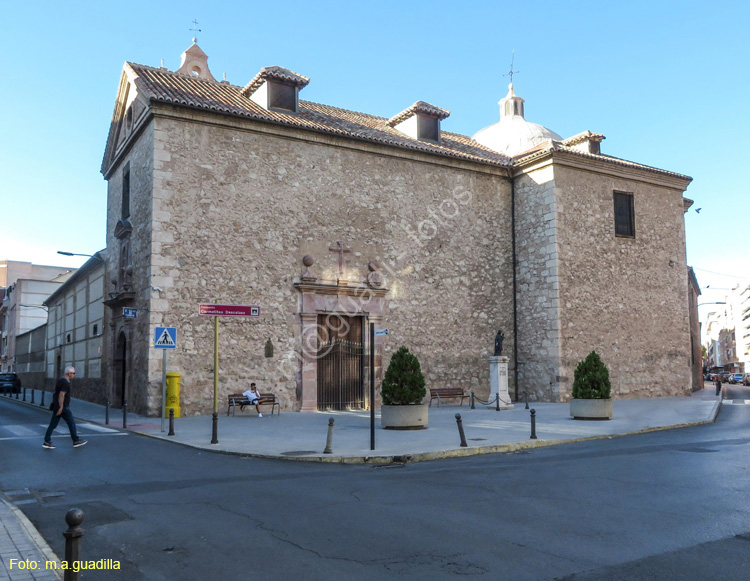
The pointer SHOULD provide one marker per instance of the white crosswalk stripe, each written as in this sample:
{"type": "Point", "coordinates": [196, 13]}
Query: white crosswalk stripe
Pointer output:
{"type": "Point", "coordinates": [735, 402]}
{"type": "Point", "coordinates": [97, 428]}
{"type": "Point", "coordinates": [20, 430]}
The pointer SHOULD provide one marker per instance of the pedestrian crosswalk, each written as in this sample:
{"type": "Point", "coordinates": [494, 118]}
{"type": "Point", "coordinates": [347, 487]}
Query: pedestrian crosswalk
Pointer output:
{"type": "Point", "coordinates": [735, 402]}
{"type": "Point", "coordinates": [85, 430]}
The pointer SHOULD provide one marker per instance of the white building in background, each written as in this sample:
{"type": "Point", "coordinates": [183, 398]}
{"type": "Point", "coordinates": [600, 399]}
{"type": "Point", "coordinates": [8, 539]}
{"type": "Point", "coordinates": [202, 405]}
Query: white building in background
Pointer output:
{"type": "Point", "coordinates": [22, 311]}
{"type": "Point", "coordinates": [21, 308]}
{"type": "Point", "coordinates": [742, 327]}
{"type": "Point", "coordinates": [75, 330]}
{"type": "Point", "coordinates": [727, 332]}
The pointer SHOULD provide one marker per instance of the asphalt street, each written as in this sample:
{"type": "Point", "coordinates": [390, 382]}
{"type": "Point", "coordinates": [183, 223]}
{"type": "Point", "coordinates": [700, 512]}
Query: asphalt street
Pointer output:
{"type": "Point", "coordinates": [664, 505]}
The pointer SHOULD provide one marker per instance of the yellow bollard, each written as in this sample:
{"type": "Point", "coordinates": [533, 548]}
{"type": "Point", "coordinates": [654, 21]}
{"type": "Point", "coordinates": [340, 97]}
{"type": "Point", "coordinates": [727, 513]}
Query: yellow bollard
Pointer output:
{"type": "Point", "coordinates": [173, 394]}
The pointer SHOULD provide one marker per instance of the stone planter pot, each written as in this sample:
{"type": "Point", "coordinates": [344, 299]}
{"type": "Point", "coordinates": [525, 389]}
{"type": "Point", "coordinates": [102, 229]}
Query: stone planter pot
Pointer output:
{"type": "Point", "coordinates": [404, 417]}
{"type": "Point", "coordinates": [591, 409]}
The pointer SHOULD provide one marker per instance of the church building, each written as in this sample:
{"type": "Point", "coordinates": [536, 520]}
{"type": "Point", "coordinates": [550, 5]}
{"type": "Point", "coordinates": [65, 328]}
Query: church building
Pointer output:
{"type": "Point", "coordinates": [329, 220]}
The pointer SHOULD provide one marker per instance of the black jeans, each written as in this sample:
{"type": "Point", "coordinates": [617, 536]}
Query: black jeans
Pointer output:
{"type": "Point", "coordinates": [68, 417]}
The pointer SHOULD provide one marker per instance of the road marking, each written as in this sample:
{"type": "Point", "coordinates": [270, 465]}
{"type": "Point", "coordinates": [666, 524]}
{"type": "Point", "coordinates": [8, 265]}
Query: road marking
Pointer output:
{"type": "Point", "coordinates": [60, 434]}
{"type": "Point", "coordinates": [20, 430]}
{"type": "Point", "coordinates": [736, 402]}
{"type": "Point", "coordinates": [97, 428]}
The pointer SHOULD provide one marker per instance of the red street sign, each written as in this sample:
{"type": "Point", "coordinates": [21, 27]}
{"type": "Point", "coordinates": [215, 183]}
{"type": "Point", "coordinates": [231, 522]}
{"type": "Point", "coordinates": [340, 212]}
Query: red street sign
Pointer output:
{"type": "Point", "coordinates": [213, 310]}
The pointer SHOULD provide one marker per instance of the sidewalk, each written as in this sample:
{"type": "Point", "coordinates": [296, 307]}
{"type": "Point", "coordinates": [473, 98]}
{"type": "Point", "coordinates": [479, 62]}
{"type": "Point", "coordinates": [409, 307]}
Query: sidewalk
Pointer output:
{"type": "Point", "coordinates": [302, 437]}
{"type": "Point", "coordinates": [19, 540]}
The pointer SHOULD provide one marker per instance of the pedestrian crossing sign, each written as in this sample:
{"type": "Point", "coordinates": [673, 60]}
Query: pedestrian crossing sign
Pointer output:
{"type": "Point", "coordinates": [165, 338]}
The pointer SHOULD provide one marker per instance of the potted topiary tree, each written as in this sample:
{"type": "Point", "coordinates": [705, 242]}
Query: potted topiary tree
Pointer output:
{"type": "Point", "coordinates": [402, 392]}
{"type": "Point", "coordinates": [591, 390]}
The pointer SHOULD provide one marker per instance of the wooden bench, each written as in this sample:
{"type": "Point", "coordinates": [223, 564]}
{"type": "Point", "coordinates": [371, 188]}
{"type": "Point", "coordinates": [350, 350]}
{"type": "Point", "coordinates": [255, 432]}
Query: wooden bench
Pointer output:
{"type": "Point", "coordinates": [237, 399]}
{"type": "Point", "coordinates": [442, 393]}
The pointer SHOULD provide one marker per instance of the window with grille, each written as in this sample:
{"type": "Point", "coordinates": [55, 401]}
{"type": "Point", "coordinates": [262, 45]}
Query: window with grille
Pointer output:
{"type": "Point", "coordinates": [624, 215]}
{"type": "Point", "coordinates": [126, 192]}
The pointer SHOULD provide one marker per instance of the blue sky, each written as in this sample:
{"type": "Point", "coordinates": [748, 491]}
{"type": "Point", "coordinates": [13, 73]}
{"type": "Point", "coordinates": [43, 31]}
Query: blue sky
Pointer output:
{"type": "Point", "coordinates": [666, 82]}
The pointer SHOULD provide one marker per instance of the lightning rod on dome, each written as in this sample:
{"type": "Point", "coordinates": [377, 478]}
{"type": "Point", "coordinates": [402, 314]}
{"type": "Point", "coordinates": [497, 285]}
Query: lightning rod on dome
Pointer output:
{"type": "Point", "coordinates": [511, 72]}
{"type": "Point", "coordinates": [195, 30]}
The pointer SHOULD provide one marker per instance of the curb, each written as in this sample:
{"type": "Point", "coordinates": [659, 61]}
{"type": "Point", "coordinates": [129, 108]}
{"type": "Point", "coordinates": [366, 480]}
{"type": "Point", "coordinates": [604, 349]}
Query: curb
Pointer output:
{"type": "Point", "coordinates": [438, 455]}
{"type": "Point", "coordinates": [47, 553]}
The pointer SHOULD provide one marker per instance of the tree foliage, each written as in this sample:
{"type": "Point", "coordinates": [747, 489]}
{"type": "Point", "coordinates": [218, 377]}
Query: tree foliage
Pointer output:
{"type": "Point", "coordinates": [591, 379]}
{"type": "Point", "coordinates": [403, 383]}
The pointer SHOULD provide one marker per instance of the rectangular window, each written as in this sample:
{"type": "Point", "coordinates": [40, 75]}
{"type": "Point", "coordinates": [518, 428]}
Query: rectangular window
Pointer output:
{"type": "Point", "coordinates": [282, 96]}
{"type": "Point", "coordinates": [428, 128]}
{"type": "Point", "coordinates": [624, 215]}
{"type": "Point", "coordinates": [126, 192]}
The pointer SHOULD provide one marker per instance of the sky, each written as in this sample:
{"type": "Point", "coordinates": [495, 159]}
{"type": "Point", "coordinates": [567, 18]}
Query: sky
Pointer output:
{"type": "Point", "coordinates": [666, 82]}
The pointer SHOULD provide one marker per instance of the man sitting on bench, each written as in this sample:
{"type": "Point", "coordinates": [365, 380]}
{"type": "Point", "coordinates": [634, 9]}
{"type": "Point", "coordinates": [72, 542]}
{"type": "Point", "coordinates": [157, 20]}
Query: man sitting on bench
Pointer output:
{"type": "Point", "coordinates": [254, 398]}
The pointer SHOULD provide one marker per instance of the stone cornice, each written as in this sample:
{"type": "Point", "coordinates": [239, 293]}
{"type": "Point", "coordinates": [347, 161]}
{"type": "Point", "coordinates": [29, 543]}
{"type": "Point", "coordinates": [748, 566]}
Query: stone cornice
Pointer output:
{"type": "Point", "coordinates": [601, 165]}
{"type": "Point", "coordinates": [346, 290]}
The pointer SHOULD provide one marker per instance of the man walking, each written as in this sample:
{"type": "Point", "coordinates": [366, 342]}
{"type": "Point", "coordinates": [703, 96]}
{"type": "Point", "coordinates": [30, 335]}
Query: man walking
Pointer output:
{"type": "Point", "coordinates": [61, 409]}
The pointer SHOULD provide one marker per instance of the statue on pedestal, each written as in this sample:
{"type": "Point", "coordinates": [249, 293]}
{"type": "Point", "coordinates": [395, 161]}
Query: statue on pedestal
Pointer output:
{"type": "Point", "coordinates": [499, 343]}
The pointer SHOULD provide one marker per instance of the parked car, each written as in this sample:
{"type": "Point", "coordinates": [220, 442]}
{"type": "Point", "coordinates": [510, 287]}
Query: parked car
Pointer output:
{"type": "Point", "coordinates": [736, 378]}
{"type": "Point", "coordinates": [10, 383]}
{"type": "Point", "coordinates": [746, 379]}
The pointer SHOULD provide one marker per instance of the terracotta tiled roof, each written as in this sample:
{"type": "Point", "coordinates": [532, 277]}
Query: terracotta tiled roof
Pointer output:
{"type": "Point", "coordinates": [551, 145]}
{"type": "Point", "coordinates": [163, 86]}
{"type": "Point", "coordinates": [419, 107]}
{"type": "Point", "coordinates": [278, 73]}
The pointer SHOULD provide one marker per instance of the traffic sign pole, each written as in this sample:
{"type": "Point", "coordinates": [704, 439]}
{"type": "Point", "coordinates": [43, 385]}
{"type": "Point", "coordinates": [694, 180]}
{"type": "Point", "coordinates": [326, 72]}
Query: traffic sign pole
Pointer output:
{"type": "Point", "coordinates": [214, 430]}
{"type": "Point", "coordinates": [372, 386]}
{"type": "Point", "coordinates": [163, 385]}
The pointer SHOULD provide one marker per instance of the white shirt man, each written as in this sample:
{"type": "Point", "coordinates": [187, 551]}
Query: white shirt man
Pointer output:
{"type": "Point", "coordinates": [254, 397]}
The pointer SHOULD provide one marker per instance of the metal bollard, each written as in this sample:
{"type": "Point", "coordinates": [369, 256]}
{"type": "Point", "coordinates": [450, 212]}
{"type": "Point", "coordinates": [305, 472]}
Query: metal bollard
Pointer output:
{"type": "Point", "coordinates": [17, 393]}
{"type": "Point", "coordinates": [472, 400]}
{"type": "Point", "coordinates": [329, 439]}
{"type": "Point", "coordinates": [24, 394]}
{"type": "Point", "coordinates": [461, 431]}
{"type": "Point", "coordinates": [42, 404]}
{"type": "Point", "coordinates": [124, 415]}
{"type": "Point", "coordinates": [32, 395]}
{"type": "Point", "coordinates": [74, 518]}
{"type": "Point", "coordinates": [533, 425]}
{"type": "Point", "coordinates": [526, 395]}
{"type": "Point", "coordinates": [215, 428]}
{"type": "Point", "coordinates": [497, 402]}
{"type": "Point", "coordinates": [106, 412]}
{"type": "Point", "coordinates": [171, 422]}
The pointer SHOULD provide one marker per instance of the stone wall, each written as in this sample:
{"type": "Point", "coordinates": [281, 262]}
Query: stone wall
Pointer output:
{"type": "Point", "coordinates": [236, 208]}
{"type": "Point", "coordinates": [624, 297]}
{"type": "Point", "coordinates": [137, 332]}
{"type": "Point", "coordinates": [537, 284]}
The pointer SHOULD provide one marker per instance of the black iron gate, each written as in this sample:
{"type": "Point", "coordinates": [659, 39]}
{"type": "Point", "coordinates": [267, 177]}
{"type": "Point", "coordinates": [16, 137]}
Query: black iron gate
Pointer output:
{"type": "Point", "coordinates": [340, 384]}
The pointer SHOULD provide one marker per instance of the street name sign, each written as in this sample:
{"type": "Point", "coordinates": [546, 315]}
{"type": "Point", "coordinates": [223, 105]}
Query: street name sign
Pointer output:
{"type": "Point", "coordinates": [214, 310]}
{"type": "Point", "coordinates": [381, 332]}
{"type": "Point", "coordinates": [129, 313]}
{"type": "Point", "coordinates": [165, 338]}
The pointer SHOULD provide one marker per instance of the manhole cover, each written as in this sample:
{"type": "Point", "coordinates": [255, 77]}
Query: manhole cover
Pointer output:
{"type": "Point", "coordinates": [299, 453]}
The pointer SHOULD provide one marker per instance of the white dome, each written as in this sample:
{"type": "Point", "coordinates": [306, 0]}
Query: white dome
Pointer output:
{"type": "Point", "coordinates": [513, 134]}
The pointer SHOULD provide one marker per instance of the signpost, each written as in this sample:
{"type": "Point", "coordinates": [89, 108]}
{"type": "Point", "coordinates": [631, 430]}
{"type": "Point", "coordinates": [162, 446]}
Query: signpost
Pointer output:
{"type": "Point", "coordinates": [373, 333]}
{"type": "Point", "coordinates": [217, 310]}
{"type": "Point", "coordinates": [164, 338]}
{"type": "Point", "coordinates": [229, 310]}
{"type": "Point", "coordinates": [129, 313]}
